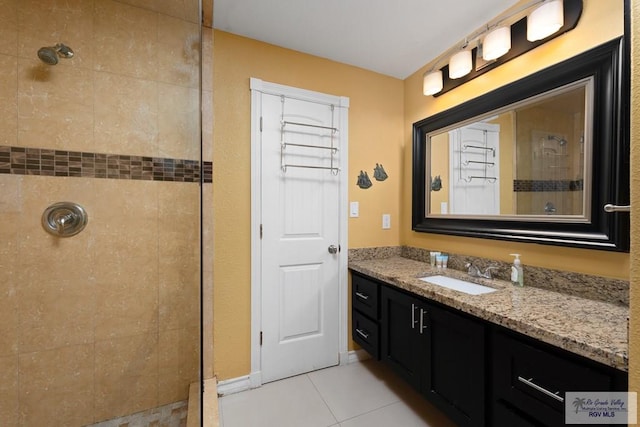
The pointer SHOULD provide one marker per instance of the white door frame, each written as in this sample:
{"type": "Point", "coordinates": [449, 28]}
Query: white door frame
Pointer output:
{"type": "Point", "coordinates": [257, 87]}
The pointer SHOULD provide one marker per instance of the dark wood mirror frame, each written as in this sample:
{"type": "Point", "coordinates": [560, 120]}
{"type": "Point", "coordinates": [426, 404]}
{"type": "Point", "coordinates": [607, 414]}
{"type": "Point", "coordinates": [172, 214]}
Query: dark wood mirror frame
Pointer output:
{"type": "Point", "coordinates": [608, 64]}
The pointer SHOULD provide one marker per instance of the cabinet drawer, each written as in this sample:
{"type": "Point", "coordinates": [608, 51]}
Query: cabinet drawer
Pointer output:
{"type": "Point", "coordinates": [366, 333]}
{"type": "Point", "coordinates": [535, 379]}
{"type": "Point", "coordinates": [364, 295]}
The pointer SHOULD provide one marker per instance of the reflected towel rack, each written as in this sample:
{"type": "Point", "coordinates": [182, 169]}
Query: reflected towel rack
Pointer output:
{"type": "Point", "coordinates": [485, 163]}
{"type": "Point", "coordinates": [490, 164]}
{"type": "Point", "coordinates": [491, 179]}
{"type": "Point", "coordinates": [477, 147]}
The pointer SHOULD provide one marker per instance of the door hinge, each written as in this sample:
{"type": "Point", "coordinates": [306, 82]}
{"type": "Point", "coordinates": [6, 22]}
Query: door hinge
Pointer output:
{"type": "Point", "coordinates": [260, 123]}
{"type": "Point", "coordinates": [260, 231]}
{"type": "Point", "coordinates": [260, 337]}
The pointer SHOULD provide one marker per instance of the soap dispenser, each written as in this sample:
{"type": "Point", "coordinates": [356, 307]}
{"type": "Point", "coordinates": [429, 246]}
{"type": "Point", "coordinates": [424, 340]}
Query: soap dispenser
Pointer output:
{"type": "Point", "coordinates": [517, 273]}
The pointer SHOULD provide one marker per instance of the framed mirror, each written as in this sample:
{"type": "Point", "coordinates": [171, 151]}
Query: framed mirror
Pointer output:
{"type": "Point", "coordinates": [533, 161]}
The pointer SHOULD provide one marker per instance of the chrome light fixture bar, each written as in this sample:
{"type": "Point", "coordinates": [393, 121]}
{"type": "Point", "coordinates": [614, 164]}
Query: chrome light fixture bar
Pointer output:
{"type": "Point", "coordinates": [500, 40]}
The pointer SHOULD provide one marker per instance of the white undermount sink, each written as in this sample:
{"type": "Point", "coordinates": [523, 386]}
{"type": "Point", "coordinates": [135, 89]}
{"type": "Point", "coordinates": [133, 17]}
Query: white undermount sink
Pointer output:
{"type": "Point", "coordinates": [458, 285]}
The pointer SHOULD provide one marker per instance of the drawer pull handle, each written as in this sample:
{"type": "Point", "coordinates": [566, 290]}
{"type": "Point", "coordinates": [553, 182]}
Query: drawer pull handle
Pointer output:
{"type": "Point", "coordinates": [362, 334]}
{"type": "Point", "coordinates": [531, 384]}
{"type": "Point", "coordinates": [362, 296]}
{"type": "Point", "coordinates": [413, 316]}
{"type": "Point", "coordinates": [423, 324]}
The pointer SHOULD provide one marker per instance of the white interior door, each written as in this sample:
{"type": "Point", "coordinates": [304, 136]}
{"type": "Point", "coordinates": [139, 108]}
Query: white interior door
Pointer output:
{"type": "Point", "coordinates": [300, 225]}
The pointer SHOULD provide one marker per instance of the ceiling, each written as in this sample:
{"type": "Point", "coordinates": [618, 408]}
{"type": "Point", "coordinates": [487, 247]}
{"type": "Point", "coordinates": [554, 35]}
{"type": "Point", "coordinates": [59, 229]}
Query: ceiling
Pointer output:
{"type": "Point", "coordinates": [395, 38]}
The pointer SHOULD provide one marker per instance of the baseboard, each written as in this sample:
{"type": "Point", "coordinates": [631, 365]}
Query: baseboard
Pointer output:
{"type": "Point", "coordinates": [355, 356]}
{"type": "Point", "coordinates": [234, 385]}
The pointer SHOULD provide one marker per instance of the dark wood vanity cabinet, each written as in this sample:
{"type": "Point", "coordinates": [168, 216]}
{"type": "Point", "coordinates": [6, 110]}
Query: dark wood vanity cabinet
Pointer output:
{"type": "Point", "coordinates": [365, 313]}
{"type": "Point", "coordinates": [477, 373]}
{"type": "Point", "coordinates": [405, 334]}
{"type": "Point", "coordinates": [455, 374]}
{"type": "Point", "coordinates": [438, 351]}
{"type": "Point", "coordinates": [530, 379]}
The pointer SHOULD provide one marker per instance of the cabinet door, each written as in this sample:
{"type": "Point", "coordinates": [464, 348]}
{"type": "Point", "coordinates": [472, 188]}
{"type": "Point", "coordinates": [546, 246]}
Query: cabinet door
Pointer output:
{"type": "Point", "coordinates": [403, 342]}
{"type": "Point", "coordinates": [455, 376]}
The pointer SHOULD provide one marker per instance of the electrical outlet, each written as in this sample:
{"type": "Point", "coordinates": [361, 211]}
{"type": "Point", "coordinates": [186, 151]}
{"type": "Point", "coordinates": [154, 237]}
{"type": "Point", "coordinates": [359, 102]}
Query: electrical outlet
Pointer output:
{"type": "Point", "coordinates": [386, 221]}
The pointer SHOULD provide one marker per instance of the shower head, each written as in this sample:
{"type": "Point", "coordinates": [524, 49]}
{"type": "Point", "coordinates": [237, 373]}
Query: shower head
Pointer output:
{"type": "Point", "coordinates": [49, 55]}
{"type": "Point", "coordinates": [558, 139]}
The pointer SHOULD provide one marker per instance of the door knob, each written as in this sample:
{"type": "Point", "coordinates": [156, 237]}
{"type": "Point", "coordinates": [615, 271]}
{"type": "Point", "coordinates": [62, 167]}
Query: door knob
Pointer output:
{"type": "Point", "coordinates": [333, 249]}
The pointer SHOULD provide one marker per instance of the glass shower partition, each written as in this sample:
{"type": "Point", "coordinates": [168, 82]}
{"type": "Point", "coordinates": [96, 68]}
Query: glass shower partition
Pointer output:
{"type": "Point", "coordinates": [103, 324]}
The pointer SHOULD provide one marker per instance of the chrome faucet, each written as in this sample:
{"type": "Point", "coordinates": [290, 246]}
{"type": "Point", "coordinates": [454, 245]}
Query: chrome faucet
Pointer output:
{"type": "Point", "coordinates": [474, 271]}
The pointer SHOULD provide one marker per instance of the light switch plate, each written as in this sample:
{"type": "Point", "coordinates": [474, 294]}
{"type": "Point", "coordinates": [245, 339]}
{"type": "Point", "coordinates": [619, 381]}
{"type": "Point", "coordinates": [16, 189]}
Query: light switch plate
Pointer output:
{"type": "Point", "coordinates": [354, 209]}
{"type": "Point", "coordinates": [386, 221]}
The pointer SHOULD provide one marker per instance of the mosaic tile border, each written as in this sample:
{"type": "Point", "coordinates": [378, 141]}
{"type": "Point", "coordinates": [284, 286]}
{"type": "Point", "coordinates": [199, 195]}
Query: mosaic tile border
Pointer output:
{"type": "Point", "coordinates": [532, 185]}
{"type": "Point", "coordinates": [48, 162]}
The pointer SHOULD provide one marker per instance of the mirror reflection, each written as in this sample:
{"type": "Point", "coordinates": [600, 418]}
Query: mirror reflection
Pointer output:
{"type": "Point", "coordinates": [531, 158]}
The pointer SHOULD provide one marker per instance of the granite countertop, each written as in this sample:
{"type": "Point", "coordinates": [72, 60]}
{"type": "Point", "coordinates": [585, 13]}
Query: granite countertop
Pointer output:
{"type": "Point", "coordinates": [593, 329]}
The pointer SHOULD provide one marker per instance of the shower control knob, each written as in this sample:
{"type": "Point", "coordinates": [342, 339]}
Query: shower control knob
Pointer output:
{"type": "Point", "coordinates": [64, 219]}
{"type": "Point", "coordinates": [333, 249]}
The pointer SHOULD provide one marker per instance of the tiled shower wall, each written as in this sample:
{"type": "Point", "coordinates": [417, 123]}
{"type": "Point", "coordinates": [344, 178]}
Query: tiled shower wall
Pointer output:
{"type": "Point", "coordinates": [105, 323]}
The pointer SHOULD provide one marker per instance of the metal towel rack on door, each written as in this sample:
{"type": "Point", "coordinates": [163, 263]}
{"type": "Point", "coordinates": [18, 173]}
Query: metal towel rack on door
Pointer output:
{"type": "Point", "coordinates": [283, 145]}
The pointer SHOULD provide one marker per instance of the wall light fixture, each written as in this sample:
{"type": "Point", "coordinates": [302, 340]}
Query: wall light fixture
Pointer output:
{"type": "Point", "coordinates": [500, 40]}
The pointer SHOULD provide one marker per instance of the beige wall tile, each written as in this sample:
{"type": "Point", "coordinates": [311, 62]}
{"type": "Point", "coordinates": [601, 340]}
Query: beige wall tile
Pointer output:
{"type": "Point", "coordinates": [9, 27]}
{"type": "Point", "coordinates": [179, 362]}
{"type": "Point", "coordinates": [207, 126]}
{"type": "Point", "coordinates": [9, 390]}
{"type": "Point", "coordinates": [56, 386]}
{"type": "Point", "coordinates": [9, 320]}
{"type": "Point", "coordinates": [207, 59]}
{"type": "Point", "coordinates": [55, 106]}
{"type": "Point", "coordinates": [54, 313]}
{"type": "Point", "coordinates": [126, 38]}
{"type": "Point", "coordinates": [126, 376]}
{"type": "Point", "coordinates": [8, 97]}
{"type": "Point", "coordinates": [61, 299]}
{"type": "Point", "coordinates": [10, 214]}
{"type": "Point", "coordinates": [126, 115]}
{"type": "Point", "coordinates": [178, 238]}
{"type": "Point", "coordinates": [178, 122]}
{"type": "Point", "coordinates": [126, 308]}
{"type": "Point", "coordinates": [10, 199]}
{"type": "Point", "coordinates": [54, 285]}
{"type": "Point", "coordinates": [183, 9]}
{"type": "Point", "coordinates": [47, 22]}
{"type": "Point", "coordinates": [179, 51]}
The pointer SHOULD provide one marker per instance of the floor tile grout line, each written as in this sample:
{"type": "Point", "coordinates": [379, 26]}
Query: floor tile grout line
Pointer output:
{"type": "Point", "coordinates": [370, 411]}
{"type": "Point", "coordinates": [323, 399]}
{"type": "Point", "coordinates": [398, 399]}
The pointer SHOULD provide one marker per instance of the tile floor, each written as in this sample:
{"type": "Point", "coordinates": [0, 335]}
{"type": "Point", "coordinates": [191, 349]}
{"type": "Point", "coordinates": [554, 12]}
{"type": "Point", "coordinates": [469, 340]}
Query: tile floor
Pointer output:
{"type": "Point", "coordinates": [363, 394]}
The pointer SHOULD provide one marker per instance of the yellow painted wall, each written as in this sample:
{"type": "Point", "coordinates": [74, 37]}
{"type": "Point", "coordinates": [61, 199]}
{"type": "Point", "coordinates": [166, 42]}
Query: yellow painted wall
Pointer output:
{"type": "Point", "coordinates": [604, 15]}
{"type": "Point", "coordinates": [381, 114]}
{"type": "Point", "coordinates": [375, 136]}
{"type": "Point", "coordinates": [634, 328]}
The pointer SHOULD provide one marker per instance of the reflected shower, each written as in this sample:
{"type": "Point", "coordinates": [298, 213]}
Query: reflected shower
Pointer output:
{"type": "Point", "coordinates": [50, 55]}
